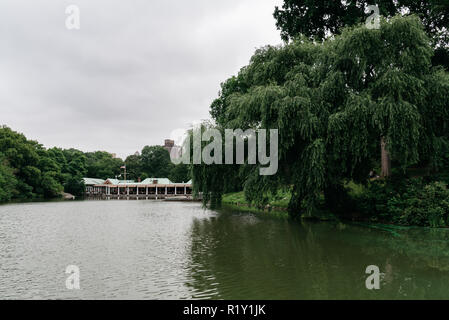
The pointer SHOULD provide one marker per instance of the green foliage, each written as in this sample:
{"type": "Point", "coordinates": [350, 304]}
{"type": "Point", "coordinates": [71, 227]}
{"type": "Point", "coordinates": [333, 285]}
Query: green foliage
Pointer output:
{"type": "Point", "coordinates": [50, 187]}
{"type": "Point", "coordinates": [75, 186]}
{"type": "Point", "coordinates": [278, 200]}
{"type": "Point", "coordinates": [28, 170]}
{"type": "Point", "coordinates": [180, 173]}
{"type": "Point", "coordinates": [133, 166]}
{"type": "Point", "coordinates": [332, 102]}
{"type": "Point", "coordinates": [32, 171]}
{"type": "Point", "coordinates": [102, 165]}
{"type": "Point", "coordinates": [8, 181]}
{"type": "Point", "coordinates": [407, 202]}
{"type": "Point", "coordinates": [153, 161]}
{"type": "Point", "coordinates": [156, 161]}
{"type": "Point", "coordinates": [322, 19]}
{"type": "Point", "coordinates": [76, 162]}
{"type": "Point", "coordinates": [215, 180]}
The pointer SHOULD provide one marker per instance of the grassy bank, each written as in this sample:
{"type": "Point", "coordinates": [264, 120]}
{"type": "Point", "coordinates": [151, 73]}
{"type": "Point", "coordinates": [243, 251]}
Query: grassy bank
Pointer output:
{"type": "Point", "coordinates": [276, 205]}
{"type": "Point", "coordinates": [278, 202]}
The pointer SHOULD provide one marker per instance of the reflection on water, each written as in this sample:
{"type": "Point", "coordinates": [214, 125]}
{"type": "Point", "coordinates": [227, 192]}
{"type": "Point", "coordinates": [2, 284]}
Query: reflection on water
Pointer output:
{"type": "Point", "coordinates": [168, 250]}
{"type": "Point", "coordinates": [240, 256]}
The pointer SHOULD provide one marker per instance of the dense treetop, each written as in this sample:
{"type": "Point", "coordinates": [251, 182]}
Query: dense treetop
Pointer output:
{"type": "Point", "coordinates": [154, 162]}
{"type": "Point", "coordinates": [318, 19]}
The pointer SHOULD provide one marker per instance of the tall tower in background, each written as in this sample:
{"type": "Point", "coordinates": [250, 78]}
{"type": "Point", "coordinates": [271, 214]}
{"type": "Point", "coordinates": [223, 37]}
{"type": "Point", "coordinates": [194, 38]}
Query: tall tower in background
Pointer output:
{"type": "Point", "coordinates": [174, 150]}
{"type": "Point", "coordinates": [169, 144]}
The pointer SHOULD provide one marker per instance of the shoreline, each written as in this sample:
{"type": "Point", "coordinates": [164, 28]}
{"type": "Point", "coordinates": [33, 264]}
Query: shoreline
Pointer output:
{"type": "Point", "coordinates": [268, 210]}
{"type": "Point", "coordinates": [277, 212]}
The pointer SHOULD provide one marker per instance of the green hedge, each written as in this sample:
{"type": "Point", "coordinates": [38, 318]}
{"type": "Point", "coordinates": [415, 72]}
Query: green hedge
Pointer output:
{"type": "Point", "coordinates": [414, 201]}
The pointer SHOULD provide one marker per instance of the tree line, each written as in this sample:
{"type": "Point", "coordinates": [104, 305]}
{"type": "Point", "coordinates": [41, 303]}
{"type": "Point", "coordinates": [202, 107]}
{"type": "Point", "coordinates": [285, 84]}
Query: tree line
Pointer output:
{"type": "Point", "coordinates": [29, 171]}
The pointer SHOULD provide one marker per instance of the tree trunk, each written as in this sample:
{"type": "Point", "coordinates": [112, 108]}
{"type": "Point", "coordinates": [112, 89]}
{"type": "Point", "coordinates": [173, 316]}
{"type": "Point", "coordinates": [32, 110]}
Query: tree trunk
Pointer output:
{"type": "Point", "coordinates": [386, 160]}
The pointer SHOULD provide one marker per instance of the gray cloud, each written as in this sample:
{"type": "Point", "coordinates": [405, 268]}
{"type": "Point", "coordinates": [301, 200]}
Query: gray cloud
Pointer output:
{"type": "Point", "coordinates": [135, 71]}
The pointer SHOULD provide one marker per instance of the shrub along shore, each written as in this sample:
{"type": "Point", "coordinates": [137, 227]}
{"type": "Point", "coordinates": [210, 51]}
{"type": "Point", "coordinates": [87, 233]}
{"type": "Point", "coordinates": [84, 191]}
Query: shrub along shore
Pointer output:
{"type": "Point", "coordinates": [406, 201]}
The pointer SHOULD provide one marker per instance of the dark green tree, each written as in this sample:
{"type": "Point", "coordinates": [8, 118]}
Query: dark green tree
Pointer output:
{"type": "Point", "coordinates": [75, 186]}
{"type": "Point", "coordinates": [320, 19]}
{"type": "Point", "coordinates": [215, 180]}
{"type": "Point", "coordinates": [8, 182]}
{"type": "Point", "coordinates": [323, 18]}
{"type": "Point", "coordinates": [22, 156]}
{"type": "Point", "coordinates": [76, 162]}
{"type": "Point", "coordinates": [155, 162]}
{"type": "Point", "coordinates": [103, 165]}
{"type": "Point", "coordinates": [133, 166]}
{"type": "Point", "coordinates": [180, 173]}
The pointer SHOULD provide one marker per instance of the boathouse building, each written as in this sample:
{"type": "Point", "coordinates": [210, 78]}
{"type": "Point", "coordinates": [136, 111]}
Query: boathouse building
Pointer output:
{"type": "Point", "coordinates": [148, 188]}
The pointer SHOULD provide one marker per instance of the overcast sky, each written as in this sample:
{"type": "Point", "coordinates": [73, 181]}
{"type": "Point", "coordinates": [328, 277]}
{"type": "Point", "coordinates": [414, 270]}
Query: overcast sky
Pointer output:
{"type": "Point", "coordinates": [135, 71]}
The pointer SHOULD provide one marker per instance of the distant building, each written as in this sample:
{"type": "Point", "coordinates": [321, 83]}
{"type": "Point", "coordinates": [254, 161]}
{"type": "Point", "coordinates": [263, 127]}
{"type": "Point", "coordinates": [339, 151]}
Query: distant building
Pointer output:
{"type": "Point", "coordinates": [174, 150]}
{"type": "Point", "coordinates": [90, 184]}
{"type": "Point", "coordinates": [169, 144]}
{"type": "Point", "coordinates": [148, 188]}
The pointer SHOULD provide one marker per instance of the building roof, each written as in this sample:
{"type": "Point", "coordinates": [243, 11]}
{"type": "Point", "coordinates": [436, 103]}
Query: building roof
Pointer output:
{"type": "Point", "coordinates": [117, 181]}
{"type": "Point", "coordinates": [159, 181]}
{"type": "Point", "coordinates": [113, 181]}
{"type": "Point", "coordinates": [147, 181]}
{"type": "Point", "coordinates": [93, 181]}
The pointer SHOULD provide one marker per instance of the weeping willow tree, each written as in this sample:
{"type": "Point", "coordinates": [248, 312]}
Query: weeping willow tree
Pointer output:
{"type": "Point", "coordinates": [212, 181]}
{"type": "Point", "coordinates": [341, 106]}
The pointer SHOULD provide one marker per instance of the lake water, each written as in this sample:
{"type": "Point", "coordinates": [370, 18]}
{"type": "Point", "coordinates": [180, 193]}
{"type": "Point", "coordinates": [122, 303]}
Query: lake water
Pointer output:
{"type": "Point", "coordinates": [151, 249]}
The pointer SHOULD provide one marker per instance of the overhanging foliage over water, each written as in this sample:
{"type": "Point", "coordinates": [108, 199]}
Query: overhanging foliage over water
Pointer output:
{"type": "Point", "coordinates": [333, 103]}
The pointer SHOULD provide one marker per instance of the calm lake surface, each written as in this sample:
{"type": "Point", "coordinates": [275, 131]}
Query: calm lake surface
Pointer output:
{"type": "Point", "coordinates": [150, 249]}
